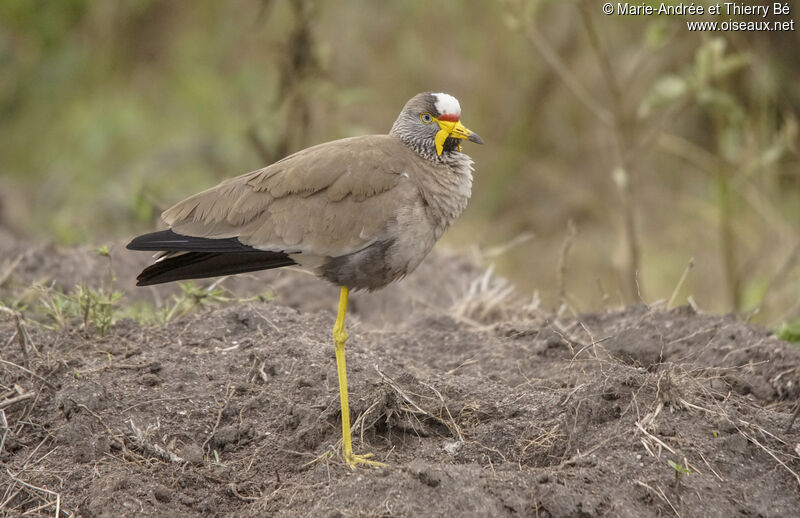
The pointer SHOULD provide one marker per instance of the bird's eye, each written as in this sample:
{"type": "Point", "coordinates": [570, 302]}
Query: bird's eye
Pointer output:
{"type": "Point", "coordinates": [426, 117]}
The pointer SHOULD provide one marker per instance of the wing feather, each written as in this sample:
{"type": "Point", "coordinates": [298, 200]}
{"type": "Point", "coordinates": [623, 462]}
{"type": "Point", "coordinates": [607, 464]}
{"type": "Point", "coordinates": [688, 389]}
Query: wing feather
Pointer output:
{"type": "Point", "coordinates": [331, 199]}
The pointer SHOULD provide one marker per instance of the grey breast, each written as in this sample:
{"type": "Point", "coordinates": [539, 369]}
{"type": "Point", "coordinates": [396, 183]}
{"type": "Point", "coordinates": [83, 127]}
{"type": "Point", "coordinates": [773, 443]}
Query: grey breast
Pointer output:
{"type": "Point", "coordinates": [436, 194]}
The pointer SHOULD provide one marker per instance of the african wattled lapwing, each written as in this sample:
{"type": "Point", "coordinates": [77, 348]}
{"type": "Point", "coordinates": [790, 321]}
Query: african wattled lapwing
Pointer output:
{"type": "Point", "coordinates": [359, 212]}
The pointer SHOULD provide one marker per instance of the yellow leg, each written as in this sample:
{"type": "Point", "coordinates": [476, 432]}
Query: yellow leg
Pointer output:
{"type": "Point", "coordinates": [339, 339]}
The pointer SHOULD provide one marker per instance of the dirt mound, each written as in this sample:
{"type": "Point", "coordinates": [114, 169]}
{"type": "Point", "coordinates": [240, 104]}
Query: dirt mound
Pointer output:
{"type": "Point", "coordinates": [442, 279]}
{"type": "Point", "coordinates": [480, 407]}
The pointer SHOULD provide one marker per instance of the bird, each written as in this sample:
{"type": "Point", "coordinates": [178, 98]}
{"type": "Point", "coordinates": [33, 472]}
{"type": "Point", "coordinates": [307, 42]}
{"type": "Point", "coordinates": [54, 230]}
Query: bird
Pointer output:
{"type": "Point", "coordinates": [358, 212]}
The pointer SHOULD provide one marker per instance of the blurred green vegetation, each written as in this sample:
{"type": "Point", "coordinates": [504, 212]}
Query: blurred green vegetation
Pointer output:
{"type": "Point", "coordinates": [658, 144]}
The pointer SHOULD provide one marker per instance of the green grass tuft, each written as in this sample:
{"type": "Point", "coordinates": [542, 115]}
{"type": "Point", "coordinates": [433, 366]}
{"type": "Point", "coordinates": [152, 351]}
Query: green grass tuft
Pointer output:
{"type": "Point", "coordinates": [789, 331]}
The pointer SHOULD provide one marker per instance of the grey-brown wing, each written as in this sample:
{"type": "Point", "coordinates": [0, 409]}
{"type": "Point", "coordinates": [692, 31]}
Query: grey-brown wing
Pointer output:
{"type": "Point", "coordinates": [328, 200]}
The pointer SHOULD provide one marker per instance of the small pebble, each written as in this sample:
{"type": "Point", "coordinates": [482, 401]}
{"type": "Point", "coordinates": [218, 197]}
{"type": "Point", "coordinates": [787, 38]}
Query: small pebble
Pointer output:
{"type": "Point", "coordinates": [192, 454]}
{"type": "Point", "coordinates": [162, 494]}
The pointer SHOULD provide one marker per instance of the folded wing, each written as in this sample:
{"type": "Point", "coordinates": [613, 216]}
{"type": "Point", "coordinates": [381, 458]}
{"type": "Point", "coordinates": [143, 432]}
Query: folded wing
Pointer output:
{"type": "Point", "coordinates": [328, 200]}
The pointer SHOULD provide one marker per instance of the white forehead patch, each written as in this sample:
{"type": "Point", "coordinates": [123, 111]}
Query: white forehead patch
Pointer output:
{"type": "Point", "coordinates": [446, 103]}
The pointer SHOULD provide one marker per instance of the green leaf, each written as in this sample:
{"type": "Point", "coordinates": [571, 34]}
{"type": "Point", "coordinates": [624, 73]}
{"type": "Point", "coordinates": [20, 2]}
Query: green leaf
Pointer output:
{"type": "Point", "coordinates": [665, 91]}
{"type": "Point", "coordinates": [678, 467]}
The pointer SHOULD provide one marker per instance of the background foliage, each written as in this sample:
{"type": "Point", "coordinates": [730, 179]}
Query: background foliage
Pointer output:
{"type": "Point", "coordinates": [620, 150]}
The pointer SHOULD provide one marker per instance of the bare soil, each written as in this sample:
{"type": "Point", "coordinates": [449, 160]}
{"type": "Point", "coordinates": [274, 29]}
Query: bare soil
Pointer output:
{"type": "Point", "coordinates": [482, 405]}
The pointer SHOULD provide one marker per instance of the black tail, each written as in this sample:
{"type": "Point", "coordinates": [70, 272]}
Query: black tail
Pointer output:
{"type": "Point", "coordinates": [203, 257]}
{"type": "Point", "coordinates": [199, 265]}
{"type": "Point", "coordinates": [169, 241]}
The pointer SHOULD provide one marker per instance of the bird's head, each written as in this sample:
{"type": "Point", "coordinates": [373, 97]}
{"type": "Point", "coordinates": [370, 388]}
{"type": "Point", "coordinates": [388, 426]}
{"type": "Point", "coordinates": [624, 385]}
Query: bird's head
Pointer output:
{"type": "Point", "coordinates": [431, 123]}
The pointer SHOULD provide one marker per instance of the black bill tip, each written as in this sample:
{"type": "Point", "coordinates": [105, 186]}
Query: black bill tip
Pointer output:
{"type": "Point", "coordinates": [474, 137]}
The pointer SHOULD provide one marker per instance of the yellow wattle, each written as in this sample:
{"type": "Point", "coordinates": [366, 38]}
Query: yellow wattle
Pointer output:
{"type": "Point", "coordinates": [446, 130]}
{"type": "Point", "coordinates": [441, 136]}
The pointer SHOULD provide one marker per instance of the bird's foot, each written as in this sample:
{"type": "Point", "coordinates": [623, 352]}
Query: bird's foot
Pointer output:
{"type": "Point", "coordinates": [354, 460]}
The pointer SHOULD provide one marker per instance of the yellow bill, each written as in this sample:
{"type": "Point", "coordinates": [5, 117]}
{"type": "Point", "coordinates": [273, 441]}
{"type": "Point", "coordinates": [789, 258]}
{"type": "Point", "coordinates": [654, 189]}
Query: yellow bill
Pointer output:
{"type": "Point", "coordinates": [456, 130]}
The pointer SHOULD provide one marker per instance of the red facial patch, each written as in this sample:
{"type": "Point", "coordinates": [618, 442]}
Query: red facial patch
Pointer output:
{"type": "Point", "coordinates": [449, 117]}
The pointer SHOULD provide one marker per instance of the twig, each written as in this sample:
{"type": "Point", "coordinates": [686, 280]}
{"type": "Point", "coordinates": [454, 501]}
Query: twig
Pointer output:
{"type": "Point", "coordinates": [11, 401]}
{"type": "Point", "coordinates": [465, 363]}
{"type": "Point", "coordinates": [5, 429]}
{"type": "Point", "coordinates": [660, 494]}
{"type": "Point", "coordinates": [110, 432]}
{"type": "Point", "coordinates": [669, 503]}
{"type": "Point", "coordinates": [397, 389]}
{"type": "Point", "coordinates": [794, 417]}
{"type": "Point", "coordinates": [57, 503]}
{"type": "Point", "coordinates": [572, 231]}
{"type": "Point", "coordinates": [235, 492]}
{"type": "Point", "coordinates": [21, 334]}
{"type": "Point", "coordinates": [10, 339]}
{"type": "Point", "coordinates": [152, 449]}
{"type": "Point", "coordinates": [358, 424]}
{"type": "Point", "coordinates": [562, 71]}
{"type": "Point", "coordinates": [578, 456]}
{"type": "Point", "coordinates": [688, 150]}
{"type": "Point", "coordinates": [771, 454]}
{"type": "Point", "coordinates": [712, 469]}
{"type": "Point", "coordinates": [655, 439]}
{"type": "Point", "coordinates": [10, 269]}
{"type": "Point", "coordinates": [624, 132]}
{"type": "Point", "coordinates": [129, 366]}
{"type": "Point", "coordinates": [45, 456]}
{"type": "Point", "coordinates": [503, 248]}
{"type": "Point", "coordinates": [763, 431]}
{"type": "Point", "coordinates": [155, 401]}
{"type": "Point", "coordinates": [268, 321]}
{"type": "Point", "coordinates": [219, 419]}
{"type": "Point", "coordinates": [30, 372]}
{"type": "Point", "coordinates": [458, 430]}
{"type": "Point", "coordinates": [680, 282]}
{"type": "Point", "coordinates": [31, 454]}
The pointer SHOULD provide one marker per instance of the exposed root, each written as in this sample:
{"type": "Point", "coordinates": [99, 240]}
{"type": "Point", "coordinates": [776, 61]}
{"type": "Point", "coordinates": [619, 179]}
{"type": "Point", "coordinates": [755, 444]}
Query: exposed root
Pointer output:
{"type": "Point", "coordinates": [140, 440]}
